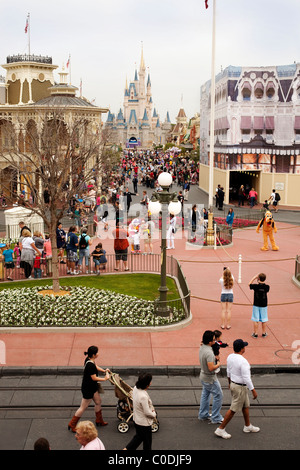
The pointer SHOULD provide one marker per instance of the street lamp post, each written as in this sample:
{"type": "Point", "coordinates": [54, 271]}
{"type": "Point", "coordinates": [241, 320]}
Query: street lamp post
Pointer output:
{"type": "Point", "coordinates": [164, 202]}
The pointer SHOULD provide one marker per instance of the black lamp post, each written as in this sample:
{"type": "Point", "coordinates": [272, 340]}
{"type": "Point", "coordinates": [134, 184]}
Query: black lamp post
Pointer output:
{"type": "Point", "coordinates": [166, 203]}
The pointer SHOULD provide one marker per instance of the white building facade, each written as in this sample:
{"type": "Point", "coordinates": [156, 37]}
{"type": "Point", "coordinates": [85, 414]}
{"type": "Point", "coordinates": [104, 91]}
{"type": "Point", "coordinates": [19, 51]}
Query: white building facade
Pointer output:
{"type": "Point", "coordinates": [256, 130]}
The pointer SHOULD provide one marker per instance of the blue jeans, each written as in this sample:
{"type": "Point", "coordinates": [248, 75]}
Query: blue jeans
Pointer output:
{"type": "Point", "coordinates": [215, 390]}
{"type": "Point", "coordinates": [84, 254]}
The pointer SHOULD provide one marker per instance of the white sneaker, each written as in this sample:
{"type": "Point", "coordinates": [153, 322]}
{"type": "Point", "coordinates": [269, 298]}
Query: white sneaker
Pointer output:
{"type": "Point", "coordinates": [222, 433]}
{"type": "Point", "coordinates": [251, 428]}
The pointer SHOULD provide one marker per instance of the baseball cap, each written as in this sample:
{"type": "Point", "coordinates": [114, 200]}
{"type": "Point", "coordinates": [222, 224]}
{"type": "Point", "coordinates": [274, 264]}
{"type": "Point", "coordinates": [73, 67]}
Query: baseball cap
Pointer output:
{"type": "Point", "coordinates": [239, 344]}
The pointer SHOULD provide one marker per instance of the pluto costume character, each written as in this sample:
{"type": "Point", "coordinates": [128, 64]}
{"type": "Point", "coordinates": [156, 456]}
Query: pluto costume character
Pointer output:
{"type": "Point", "coordinates": [268, 226]}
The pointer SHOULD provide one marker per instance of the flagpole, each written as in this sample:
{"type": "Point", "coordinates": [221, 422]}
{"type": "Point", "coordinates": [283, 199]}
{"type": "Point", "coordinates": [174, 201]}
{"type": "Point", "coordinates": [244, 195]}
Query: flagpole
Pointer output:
{"type": "Point", "coordinates": [28, 31]}
{"type": "Point", "coordinates": [212, 112]}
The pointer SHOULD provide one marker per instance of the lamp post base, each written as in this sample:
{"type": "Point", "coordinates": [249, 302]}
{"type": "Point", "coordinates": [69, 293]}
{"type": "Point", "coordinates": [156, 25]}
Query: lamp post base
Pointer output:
{"type": "Point", "coordinates": [161, 308]}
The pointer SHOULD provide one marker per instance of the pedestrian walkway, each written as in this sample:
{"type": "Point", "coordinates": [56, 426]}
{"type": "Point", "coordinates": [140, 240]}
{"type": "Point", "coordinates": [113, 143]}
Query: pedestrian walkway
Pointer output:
{"type": "Point", "coordinates": [179, 346]}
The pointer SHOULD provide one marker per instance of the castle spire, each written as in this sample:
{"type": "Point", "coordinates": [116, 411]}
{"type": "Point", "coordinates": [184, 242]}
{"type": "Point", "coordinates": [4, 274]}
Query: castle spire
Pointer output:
{"type": "Point", "coordinates": [142, 66]}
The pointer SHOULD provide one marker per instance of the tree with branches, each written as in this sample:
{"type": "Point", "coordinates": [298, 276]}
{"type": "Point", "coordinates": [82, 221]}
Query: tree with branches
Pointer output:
{"type": "Point", "coordinates": [54, 156]}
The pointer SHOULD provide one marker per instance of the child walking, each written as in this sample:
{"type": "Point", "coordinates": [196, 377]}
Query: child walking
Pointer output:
{"type": "Point", "coordinates": [17, 253]}
{"type": "Point", "coordinates": [260, 303]}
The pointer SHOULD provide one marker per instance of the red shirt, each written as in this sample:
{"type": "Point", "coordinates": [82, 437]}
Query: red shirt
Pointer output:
{"type": "Point", "coordinates": [120, 239]}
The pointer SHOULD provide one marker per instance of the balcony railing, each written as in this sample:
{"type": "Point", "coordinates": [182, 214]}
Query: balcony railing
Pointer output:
{"type": "Point", "coordinates": [28, 58]}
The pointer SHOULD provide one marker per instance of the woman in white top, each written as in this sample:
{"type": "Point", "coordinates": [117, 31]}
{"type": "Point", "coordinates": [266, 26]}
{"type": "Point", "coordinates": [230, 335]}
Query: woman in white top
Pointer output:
{"type": "Point", "coordinates": [28, 250]}
{"type": "Point", "coordinates": [171, 232]}
{"type": "Point", "coordinates": [226, 282]}
{"type": "Point", "coordinates": [143, 414]}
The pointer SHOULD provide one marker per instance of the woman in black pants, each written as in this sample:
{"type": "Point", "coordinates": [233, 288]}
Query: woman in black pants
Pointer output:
{"type": "Point", "coordinates": [143, 414]}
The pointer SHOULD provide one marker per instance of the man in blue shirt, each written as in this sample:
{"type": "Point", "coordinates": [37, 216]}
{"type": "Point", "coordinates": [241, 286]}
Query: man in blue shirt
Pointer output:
{"type": "Point", "coordinates": [72, 245]}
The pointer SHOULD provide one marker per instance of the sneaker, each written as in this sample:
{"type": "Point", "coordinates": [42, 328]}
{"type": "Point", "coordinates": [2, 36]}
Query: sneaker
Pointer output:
{"type": "Point", "coordinates": [251, 428]}
{"type": "Point", "coordinates": [254, 335]}
{"type": "Point", "coordinates": [207, 418]}
{"type": "Point", "coordinates": [222, 433]}
{"type": "Point", "coordinates": [217, 422]}
{"type": "Point", "coordinates": [264, 335]}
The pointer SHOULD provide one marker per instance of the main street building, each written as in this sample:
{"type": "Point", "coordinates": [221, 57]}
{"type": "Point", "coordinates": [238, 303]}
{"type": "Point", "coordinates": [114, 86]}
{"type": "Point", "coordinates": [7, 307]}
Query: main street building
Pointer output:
{"type": "Point", "coordinates": [257, 131]}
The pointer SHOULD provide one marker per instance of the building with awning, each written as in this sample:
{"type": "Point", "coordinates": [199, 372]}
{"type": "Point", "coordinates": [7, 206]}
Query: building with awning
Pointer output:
{"type": "Point", "coordinates": [256, 131]}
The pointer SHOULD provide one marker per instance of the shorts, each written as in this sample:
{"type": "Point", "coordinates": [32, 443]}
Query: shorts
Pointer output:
{"type": "Point", "coordinates": [239, 397]}
{"type": "Point", "coordinates": [274, 203]}
{"type": "Point", "coordinates": [226, 297]}
{"type": "Point", "coordinates": [72, 256]}
{"type": "Point", "coordinates": [259, 314]}
{"type": "Point", "coordinates": [10, 265]}
{"type": "Point", "coordinates": [121, 255]}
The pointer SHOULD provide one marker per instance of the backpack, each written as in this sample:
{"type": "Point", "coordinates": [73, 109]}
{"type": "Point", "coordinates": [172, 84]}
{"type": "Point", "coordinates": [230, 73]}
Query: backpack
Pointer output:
{"type": "Point", "coordinates": [83, 243]}
{"type": "Point", "coordinates": [277, 197]}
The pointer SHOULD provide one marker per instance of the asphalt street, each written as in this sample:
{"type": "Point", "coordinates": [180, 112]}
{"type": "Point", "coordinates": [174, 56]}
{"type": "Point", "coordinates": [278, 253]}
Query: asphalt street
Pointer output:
{"type": "Point", "coordinates": [34, 406]}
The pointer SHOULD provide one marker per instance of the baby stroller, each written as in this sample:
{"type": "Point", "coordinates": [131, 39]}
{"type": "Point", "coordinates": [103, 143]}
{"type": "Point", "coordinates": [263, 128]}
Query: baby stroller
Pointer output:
{"type": "Point", "coordinates": [123, 392]}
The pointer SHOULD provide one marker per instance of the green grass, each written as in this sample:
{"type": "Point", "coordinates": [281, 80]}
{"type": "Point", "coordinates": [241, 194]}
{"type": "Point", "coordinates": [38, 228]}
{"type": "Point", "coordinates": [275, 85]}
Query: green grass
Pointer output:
{"type": "Point", "coordinates": [144, 286]}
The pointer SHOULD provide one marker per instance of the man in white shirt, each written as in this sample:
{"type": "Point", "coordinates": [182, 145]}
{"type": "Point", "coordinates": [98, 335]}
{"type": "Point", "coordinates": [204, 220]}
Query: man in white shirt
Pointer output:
{"type": "Point", "coordinates": [239, 378]}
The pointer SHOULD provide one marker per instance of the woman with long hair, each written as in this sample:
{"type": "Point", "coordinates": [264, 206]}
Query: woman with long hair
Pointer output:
{"type": "Point", "coordinates": [143, 414]}
{"type": "Point", "coordinates": [90, 389]}
{"type": "Point", "coordinates": [226, 281]}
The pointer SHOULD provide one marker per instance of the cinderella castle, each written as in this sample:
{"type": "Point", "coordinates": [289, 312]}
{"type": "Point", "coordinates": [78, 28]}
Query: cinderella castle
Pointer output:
{"type": "Point", "coordinates": [138, 125]}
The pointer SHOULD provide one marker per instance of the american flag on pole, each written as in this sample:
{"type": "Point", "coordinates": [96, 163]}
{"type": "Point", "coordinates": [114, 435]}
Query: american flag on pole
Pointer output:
{"type": "Point", "coordinates": [27, 24]}
{"type": "Point", "coordinates": [68, 63]}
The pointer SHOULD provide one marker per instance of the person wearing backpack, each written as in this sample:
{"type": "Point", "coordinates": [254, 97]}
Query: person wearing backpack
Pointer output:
{"type": "Point", "coordinates": [260, 303]}
{"type": "Point", "coordinates": [275, 197]}
{"type": "Point", "coordinates": [84, 249]}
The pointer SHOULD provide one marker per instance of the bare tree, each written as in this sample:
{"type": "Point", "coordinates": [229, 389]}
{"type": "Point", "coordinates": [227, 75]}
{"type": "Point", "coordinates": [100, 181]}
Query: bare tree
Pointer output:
{"type": "Point", "coordinates": [56, 152]}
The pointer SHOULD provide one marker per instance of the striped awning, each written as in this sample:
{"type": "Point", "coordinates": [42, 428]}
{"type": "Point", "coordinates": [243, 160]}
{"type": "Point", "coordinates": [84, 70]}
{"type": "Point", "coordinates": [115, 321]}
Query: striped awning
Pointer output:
{"type": "Point", "coordinates": [270, 85]}
{"type": "Point", "coordinates": [245, 122]}
{"type": "Point", "coordinates": [225, 123]}
{"type": "Point", "coordinates": [258, 86]}
{"type": "Point", "coordinates": [258, 122]}
{"type": "Point", "coordinates": [269, 122]}
{"type": "Point", "coordinates": [246, 85]}
{"type": "Point", "coordinates": [297, 123]}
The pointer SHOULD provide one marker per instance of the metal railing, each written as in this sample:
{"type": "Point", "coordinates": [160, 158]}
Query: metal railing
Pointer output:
{"type": "Point", "coordinates": [28, 58]}
{"type": "Point", "coordinates": [149, 263]}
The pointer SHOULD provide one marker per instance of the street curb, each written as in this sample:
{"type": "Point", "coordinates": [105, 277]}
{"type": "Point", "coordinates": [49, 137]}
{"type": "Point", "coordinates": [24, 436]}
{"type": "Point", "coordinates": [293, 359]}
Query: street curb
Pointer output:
{"type": "Point", "coordinates": [135, 370]}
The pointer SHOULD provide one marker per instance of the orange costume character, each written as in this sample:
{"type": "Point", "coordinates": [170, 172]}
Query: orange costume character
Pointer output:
{"type": "Point", "coordinates": [268, 226]}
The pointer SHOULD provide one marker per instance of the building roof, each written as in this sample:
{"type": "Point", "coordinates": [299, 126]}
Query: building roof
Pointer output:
{"type": "Point", "coordinates": [64, 101]}
{"type": "Point", "coordinates": [181, 113]}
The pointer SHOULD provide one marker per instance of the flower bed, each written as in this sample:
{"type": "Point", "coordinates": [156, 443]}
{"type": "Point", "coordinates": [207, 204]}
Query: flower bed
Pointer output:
{"type": "Point", "coordinates": [84, 307]}
{"type": "Point", "coordinates": [237, 223]}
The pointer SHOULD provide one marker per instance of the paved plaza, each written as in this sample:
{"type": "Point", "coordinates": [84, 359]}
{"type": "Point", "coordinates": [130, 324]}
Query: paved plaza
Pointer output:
{"type": "Point", "coordinates": [179, 346]}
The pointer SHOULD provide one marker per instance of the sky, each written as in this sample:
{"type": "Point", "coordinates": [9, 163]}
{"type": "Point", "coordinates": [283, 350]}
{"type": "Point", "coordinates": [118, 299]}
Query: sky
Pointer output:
{"type": "Point", "coordinates": [104, 40]}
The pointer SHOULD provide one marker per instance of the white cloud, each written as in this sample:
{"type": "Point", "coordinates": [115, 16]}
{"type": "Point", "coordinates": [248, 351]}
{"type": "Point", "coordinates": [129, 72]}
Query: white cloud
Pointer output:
{"type": "Point", "coordinates": [104, 39]}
